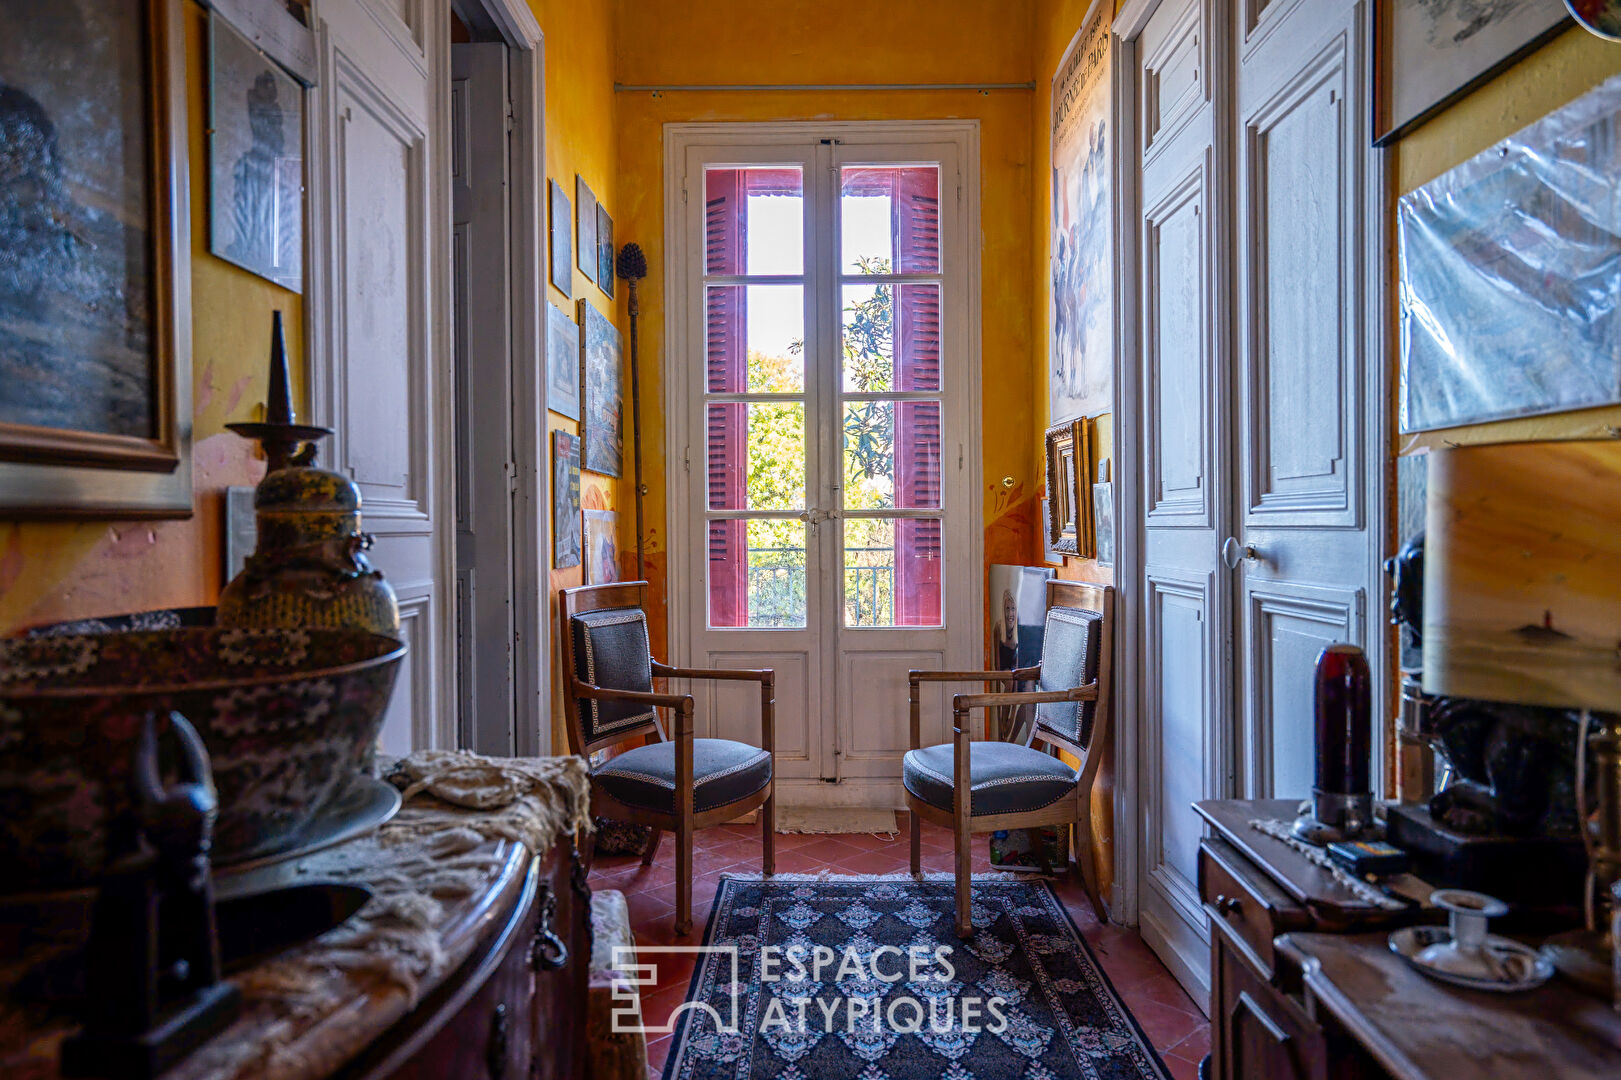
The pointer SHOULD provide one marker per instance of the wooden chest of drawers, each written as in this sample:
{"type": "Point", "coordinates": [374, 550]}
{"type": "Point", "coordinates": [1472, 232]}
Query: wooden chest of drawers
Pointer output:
{"type": "Point", "coordinates": [515, 1009]}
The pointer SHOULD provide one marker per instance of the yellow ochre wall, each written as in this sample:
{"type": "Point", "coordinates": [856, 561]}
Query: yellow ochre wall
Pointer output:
{"type": "Point", "coordinates": [1056, 23]}
{"type": "Point", "coordinates": [63, 570]}
{"type": "Point", "coordinates": [835, 41]}
{"type": "Point", "coordinates": [1556, 74]}
{"type": "Point", "coordinates": [580, 122]}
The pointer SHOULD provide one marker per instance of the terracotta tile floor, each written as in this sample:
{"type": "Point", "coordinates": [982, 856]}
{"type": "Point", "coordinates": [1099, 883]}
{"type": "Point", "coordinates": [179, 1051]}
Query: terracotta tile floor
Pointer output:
{"type": "Point", "coordinates": [1172, 1021]}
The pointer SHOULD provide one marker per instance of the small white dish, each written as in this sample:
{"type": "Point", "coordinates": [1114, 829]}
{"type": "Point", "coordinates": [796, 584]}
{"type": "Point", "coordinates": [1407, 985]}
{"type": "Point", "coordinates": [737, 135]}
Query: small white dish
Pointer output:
{"type": "Point", "coordinates": [1518, 967]}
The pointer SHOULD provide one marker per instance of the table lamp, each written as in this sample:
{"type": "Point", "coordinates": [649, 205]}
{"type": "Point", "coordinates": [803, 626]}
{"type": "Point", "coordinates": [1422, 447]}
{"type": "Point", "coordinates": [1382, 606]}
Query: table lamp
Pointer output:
{"type": "Point", "coordinates": [1522, 605]}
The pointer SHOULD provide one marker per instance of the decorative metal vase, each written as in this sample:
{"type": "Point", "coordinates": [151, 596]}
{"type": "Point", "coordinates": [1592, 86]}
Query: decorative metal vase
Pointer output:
{"type": "Point", "coordinates": [308, 568]}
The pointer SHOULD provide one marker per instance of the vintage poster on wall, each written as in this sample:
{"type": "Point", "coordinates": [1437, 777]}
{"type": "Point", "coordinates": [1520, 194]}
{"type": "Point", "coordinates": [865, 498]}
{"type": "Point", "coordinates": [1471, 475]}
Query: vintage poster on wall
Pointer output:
{"type": "Point", "coordinates": [565, 500]}
{"type": "Point", "coordinates": [1081, 365]}
{"type": "Point", "coordinates": [602, 425]}
{"type": "Point", "coordinates": [1511, 274]}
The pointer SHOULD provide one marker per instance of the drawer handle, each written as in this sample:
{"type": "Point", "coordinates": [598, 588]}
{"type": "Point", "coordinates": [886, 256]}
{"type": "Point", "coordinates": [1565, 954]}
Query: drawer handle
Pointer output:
{"type": "Point", "coordinates": [495, 1051]}
{"type": "Point", "coordinates": [1228, 905]}
{"type": "Point", "coordinates": [548, 952]}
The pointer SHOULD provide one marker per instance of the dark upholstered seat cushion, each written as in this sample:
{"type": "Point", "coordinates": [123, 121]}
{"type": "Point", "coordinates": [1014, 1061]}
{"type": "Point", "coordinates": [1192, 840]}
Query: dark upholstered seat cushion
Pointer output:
{"type": "Point", "coordinates": [611, 651]}
{"type": "Point", "coordinates": [723, 772]}
{"type": "Point", "coordinates": [1069, 658]}
{"type": "Point", "coordinates": [1004, 777]}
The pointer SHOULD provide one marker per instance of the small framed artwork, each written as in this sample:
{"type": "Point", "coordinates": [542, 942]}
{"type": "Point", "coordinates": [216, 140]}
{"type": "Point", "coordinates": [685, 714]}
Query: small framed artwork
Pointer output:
{"type": "Point", "coordinates": [601, 547]}
{"type": "Point", "coordinates": [565, 500]}
{"type": "Point", "coordinates": [1103, 522]}
{"type": "Point", "coordinates": [602, 418]}
{"type": "Point", "coordinates": [1427, 55]}
{"type": "Point", "coordinates": [255, 159]}
{"type": "Point", "coordinates": [95, 290]}
{"type": "Point", "coordinates": [1069, 506]}
{"type": "Point", "coordinates": [241, 528]}
{"type": "Point", "coordinates": [562, 242]}
{"type": "Point", "coordinates": [585, 228]}
{"type": "Point", "coordinates": [605, 251]}
{"type": "Point", "coordinates": [562, 362]}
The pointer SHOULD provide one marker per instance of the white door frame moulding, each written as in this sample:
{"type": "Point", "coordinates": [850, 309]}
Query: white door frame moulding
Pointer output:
{"type": "Point", "coordinates": [1128, 420]}
{"type": "Point", "coordinates": [532, 539]}
{"type": "Point", "coordinates": [677, 396]}
{"type": "Point", "coordinates": [531, 505]}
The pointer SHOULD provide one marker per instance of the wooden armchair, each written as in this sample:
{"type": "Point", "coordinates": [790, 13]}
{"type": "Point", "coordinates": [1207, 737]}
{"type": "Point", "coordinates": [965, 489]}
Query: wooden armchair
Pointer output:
{"type": "Point", "coordinates": [979, 787]}
{"type": "Point", "coordinates": [678, 784]}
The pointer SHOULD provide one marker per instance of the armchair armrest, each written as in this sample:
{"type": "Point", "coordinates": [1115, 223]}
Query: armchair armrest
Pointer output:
{"type": "Point", "coordinates": [664, 671]}
{"type": "Point", "coordinates": [640, 697]}
{"type": "Point", "coordinates": [964, 702]}
{"type": "Point", "coordinates": [1019, 675]}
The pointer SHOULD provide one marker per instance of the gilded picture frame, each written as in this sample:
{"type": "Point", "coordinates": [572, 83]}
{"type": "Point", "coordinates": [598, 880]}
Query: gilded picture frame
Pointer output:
{"type": "Point", "coordinates": [117, 444]}
{"type": "Point", "coordinates": [1069, 488]}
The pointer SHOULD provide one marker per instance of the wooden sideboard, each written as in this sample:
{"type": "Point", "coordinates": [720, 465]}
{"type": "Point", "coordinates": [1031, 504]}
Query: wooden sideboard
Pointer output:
{"type": "Point", "coordinates": [1303, 986]}
{"type": "Point", "coordinates": [511, 1011]}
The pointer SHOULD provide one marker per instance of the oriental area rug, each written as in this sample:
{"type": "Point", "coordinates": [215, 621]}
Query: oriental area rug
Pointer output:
{"type": "Point", "coordinates": [864, 978]}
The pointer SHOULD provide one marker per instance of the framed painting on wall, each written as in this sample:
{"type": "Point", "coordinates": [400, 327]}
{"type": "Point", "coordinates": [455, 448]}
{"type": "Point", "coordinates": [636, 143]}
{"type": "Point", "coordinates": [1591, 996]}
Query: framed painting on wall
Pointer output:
{"type": "Point", "coordinates": [605, 251]}
{"type": "Point", "coordinates": [562, 242]}
{"type": "Point", "coordinates": [601, 547]}
{"type": "Point", "coordinates": [95, 289]}
{"type": "Point", "coordinates": [1429, 53]}
{"type": "Point", "coordinates": [562, 362]}
{"type": "Point", "coordinates": [255, 159]}
{"type": "Point", "coordinates": [602, 420]}
{"type": "Point", "coordinates": [1080, 378]}
{"type": "Point", "coordinates": [565, 500]}
{"type": "Point", "coordinates": [1509, 289]}
{"type": "Point", "coordinates": [1069, 505]}
{"type": "Point", "coordinates": [585, 228]}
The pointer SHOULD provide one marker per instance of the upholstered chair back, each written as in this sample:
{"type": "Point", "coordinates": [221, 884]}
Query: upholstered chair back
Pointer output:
{"type": "Point", "coordinates": [1069, 658]}
{"type": "Point", "coordinates": [611, 650]}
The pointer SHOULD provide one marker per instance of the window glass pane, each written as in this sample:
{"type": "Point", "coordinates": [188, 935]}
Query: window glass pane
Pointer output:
{"type": "Point", "coordinates": [756, 573]}
{"type": "Point", "coordinates": [889, 217]}
{"type": "Point", "coordinates": [891, 455]}
{"type": "Point", "coordinates": [754, 220]}
{"type": "Point", "coordinates": [755, 339]}
{"type": "Point", "coordinates": [877, 317]}
{"type": "Point", "coordinates": [891, 572]}
{"type": "Point", "coordinates": [756, 455]}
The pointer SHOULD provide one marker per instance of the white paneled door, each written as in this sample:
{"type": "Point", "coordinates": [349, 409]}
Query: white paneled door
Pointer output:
{"type": "Point", "coordinates": [825, 429]}
{"type": "Point", "coordinates": [1260, 411]}
{"type": "Point", "coordinates": [379, 221]}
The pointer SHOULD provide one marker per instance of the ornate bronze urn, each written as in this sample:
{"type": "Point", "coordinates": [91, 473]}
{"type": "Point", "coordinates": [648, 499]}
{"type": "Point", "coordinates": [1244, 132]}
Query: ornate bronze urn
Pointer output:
{"type": "Point", "coordinates": [308, 567]}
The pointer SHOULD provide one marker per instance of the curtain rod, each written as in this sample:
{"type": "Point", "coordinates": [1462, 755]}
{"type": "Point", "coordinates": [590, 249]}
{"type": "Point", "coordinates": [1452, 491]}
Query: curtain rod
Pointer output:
{"type": "Point", "coordinates": [626, 88]}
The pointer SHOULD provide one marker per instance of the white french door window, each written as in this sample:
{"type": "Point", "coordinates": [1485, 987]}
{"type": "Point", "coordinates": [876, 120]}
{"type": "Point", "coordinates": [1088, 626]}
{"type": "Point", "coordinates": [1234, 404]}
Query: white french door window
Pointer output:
{"type": "Point", "coordinates": [826, 376]}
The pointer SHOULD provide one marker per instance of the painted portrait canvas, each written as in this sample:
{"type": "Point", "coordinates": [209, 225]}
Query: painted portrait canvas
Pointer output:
{"type": "Point", "coordinates": [1081, 357]}
{"type": "Point", "coordinates": [256, 159]}
{"type": "Point", "coordinates": [601, 426]}
{"type": "Point", "coordinates": [565, 500]}
{"type": "Point", "coordinates": [601, 547]}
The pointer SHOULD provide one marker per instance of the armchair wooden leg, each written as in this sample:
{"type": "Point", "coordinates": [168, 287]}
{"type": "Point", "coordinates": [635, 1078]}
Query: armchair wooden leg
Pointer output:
{"type": "Point", "coordinates": [917, 844]}
{"type": "Point", "coordinates": [683, 880]}
{"type": "Point", "coordinates": [652, 847]}
{"type": "Point", "coordinates": [1083, 859]}
{"type": "Point", "coordinates": [768, 833]}
{"type": "Point", "coordinates": [965, 878]}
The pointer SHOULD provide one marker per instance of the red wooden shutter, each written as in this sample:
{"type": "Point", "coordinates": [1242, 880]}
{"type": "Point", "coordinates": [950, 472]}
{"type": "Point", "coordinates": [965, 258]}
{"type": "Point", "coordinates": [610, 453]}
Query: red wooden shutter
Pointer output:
{"type": "Point", "coordinates": [917, 424]}
{"type": "Point", "coordinates": [725, 222]}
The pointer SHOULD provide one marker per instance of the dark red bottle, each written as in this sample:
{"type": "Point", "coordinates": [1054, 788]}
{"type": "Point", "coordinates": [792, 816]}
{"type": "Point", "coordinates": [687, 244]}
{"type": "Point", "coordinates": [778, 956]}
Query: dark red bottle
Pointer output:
{"type": "Point", "coordinates": [1344, 721]}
